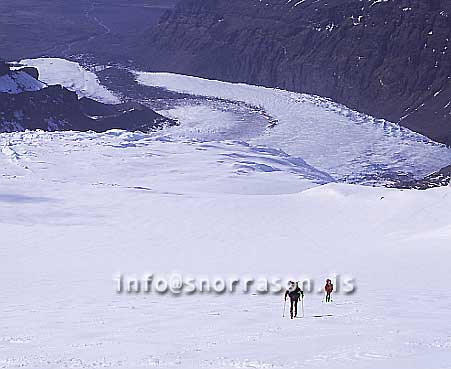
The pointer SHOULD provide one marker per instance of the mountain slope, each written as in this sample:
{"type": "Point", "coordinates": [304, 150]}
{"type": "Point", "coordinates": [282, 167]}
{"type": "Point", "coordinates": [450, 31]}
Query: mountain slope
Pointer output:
{"type": "Point", "coordinates": [389, 59]}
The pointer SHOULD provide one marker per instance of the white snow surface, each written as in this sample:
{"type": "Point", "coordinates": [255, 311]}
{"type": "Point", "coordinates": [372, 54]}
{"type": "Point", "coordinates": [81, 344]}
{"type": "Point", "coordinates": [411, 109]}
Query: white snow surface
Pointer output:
{"type": "Point", "coordinates": [78, 208]}
{"type": "Point", "coordinates": [72, 76]}
{"type": "Point", "coordinates": [346, 144]}
{"type": "Point", "coordinates": [16, 82]}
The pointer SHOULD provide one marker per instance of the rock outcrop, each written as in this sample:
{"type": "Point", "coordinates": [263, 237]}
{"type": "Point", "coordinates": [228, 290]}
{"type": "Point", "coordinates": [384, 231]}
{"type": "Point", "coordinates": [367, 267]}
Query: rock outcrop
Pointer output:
{"type": "Point", "coordinates": [27, 103]}
{"type": "Point", "coordinates": [437, 179]}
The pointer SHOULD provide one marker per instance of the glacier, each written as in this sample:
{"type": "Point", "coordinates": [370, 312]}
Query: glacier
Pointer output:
{"type": "Point", "coordinates": [77, 208]}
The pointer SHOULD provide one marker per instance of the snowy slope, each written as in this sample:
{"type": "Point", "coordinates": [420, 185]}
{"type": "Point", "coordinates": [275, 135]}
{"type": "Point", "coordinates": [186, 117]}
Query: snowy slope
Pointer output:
{"type": "Point", "coordinates": [78, 208]}
{"type": "Point", "coordinates": [348, 145]}
{"type": "Point", "coordinates": [72, 76]}
{"type": "Point", "coordinates": [16, 82]}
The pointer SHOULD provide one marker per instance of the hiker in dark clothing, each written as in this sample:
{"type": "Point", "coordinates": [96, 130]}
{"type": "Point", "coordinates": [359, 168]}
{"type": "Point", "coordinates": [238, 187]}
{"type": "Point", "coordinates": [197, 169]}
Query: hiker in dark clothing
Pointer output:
{"type": "Point", "coordinates": [295, 294]}
{"type": "Point", "coordinates": [329, 287]}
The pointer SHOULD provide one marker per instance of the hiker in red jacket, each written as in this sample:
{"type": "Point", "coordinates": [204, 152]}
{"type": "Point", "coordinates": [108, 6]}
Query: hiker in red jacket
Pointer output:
{"type": "Point", "coordinates": [329, 287]}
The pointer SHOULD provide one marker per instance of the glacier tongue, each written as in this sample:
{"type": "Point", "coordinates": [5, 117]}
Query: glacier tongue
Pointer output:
{"type": "Point", "coordinates": [350, 146]}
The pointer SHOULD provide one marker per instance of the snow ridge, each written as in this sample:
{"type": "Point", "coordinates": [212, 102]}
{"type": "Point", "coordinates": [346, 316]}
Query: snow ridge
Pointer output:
{"type": "Point", "coordinates": [73, 76]}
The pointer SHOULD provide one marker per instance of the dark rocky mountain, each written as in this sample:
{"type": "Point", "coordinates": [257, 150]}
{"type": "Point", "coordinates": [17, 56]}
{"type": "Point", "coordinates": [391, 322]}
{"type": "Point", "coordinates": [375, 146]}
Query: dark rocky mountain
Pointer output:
{"type": "Point", "coordinates": [387, 58]}
{"type": "Point", "coordinates": [55, 108]}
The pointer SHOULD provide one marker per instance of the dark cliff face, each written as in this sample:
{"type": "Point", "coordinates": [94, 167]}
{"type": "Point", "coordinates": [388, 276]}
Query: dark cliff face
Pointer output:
{"type": "Point", "coordinates": [388, 58]}
{"type": "Point", "coordinates": [56, 109]}
{"type": "Point", "coordinates": [4, 68]}
{"type": "Point", "coordinates": [51, 108]}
